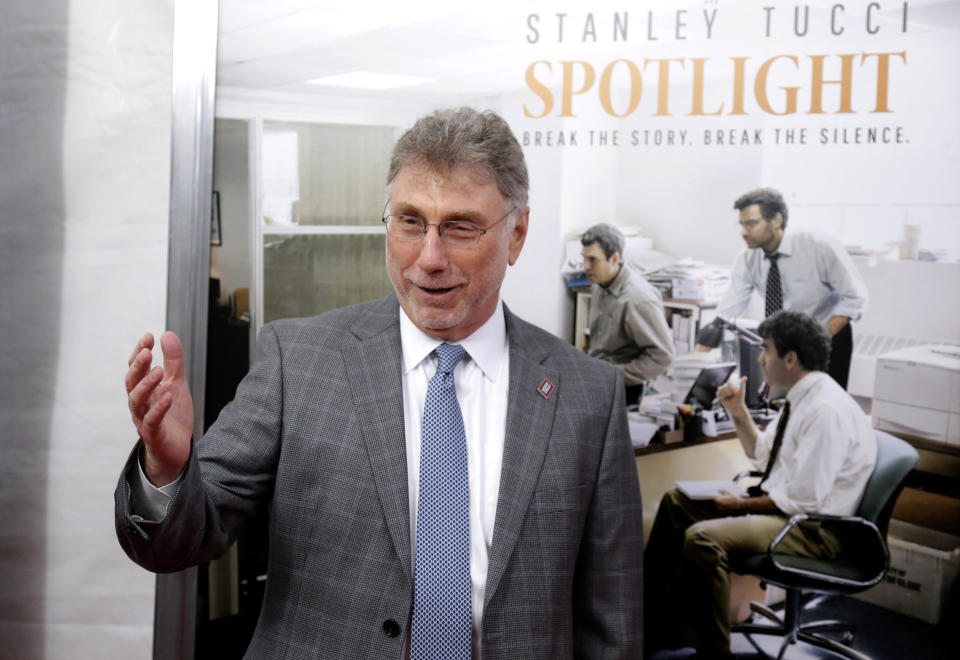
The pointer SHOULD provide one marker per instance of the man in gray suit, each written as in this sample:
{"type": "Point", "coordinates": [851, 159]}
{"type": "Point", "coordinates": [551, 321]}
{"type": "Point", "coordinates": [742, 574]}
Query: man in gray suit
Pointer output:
{"type": "Point", "coordinates": [332, 434]}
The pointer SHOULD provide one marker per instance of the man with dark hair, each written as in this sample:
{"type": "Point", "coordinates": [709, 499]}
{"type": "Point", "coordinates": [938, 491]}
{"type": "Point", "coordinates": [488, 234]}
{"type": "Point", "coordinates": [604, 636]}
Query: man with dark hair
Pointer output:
{"type": "Point", "coordinates": [798, 270]}
{"type": "Point", "coordinates": [628, 326]}
{"type": "Point", "coordinates": [816, 457]}
{"type": "Point", "coordinates": [443, 479]}
{"type": "Point", "coordinates": [798, 333]}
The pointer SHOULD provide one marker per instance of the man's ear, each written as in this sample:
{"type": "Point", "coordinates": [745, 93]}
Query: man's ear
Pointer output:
{"type": "Point", "coordinates": [777, 220]}
{"type": "Point", "coordinates": [518, 235]}
{"type": "Point", "coordinates": [615, 258]}
{"type": "Point", "coordinates": [791, 360]}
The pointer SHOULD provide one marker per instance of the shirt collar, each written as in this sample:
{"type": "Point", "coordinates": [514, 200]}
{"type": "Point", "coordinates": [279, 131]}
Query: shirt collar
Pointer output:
{"type": "Point", "coordinates": [487, 346]}
{"type": "Point", "coordinates": [805, 385]}
{"type": "Point", "coordinates": [618, 282]}
{"type": "Point", "coordinates": [786, 244]}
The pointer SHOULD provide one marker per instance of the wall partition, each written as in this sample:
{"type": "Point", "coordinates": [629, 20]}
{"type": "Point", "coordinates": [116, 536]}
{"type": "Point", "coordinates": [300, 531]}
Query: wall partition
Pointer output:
{"type": "Point", "coordinates": [84, 215]}
{"type": "Point", "coordinates": [191, 180]}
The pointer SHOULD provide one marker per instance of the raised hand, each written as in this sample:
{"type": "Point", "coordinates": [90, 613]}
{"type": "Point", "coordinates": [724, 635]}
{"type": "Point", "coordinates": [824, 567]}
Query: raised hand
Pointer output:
{"type": "Point", "coordinates": [733, 395]}
{"type": "Point", "coordinates": [161, 407]}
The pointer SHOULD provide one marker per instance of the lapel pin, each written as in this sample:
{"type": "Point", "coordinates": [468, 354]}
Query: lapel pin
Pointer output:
{"type": "Point", "coordinates": [546, 388]}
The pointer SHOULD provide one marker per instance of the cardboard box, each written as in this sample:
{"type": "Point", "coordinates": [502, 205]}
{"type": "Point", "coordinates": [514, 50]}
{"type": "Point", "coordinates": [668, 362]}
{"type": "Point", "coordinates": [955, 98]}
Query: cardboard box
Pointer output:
{"type": "Point", "coordinates": [924, 565]}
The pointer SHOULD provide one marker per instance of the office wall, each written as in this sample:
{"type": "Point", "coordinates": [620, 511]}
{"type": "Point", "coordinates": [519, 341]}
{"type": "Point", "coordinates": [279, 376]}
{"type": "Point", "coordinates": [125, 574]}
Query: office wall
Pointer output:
{"type": "Point", "coordinates": [84, 152]}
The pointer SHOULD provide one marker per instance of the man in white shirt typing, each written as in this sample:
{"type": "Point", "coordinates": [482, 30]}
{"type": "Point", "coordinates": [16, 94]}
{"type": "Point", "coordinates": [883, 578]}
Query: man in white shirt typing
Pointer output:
{"type": "Point", "coordinates": [817, 456]}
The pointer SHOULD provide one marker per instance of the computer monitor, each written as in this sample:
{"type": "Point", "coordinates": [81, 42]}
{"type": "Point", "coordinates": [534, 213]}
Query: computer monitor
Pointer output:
{"type": "Point", "coordinates": [704, 389]}
{"type": "Point", "coordinates": [747, 354]}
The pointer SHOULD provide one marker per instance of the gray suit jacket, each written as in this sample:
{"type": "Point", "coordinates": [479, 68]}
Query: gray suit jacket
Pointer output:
{"type": "Point", "coordinates": [315, 437]}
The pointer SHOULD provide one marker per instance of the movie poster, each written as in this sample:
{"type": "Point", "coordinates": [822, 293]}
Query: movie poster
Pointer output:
{"type": "Point", "coordinates": [657, 115]}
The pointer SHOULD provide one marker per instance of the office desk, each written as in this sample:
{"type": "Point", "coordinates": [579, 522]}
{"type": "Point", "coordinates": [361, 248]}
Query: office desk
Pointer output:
{"type": "Point", "coordinates": [931, 496]}
{"type": "Point", "coordinates": [673, 440]}
{"type": "Point", "coordinates": [659, 465]}
{"type": "Point", "coordinates": [930, 445]}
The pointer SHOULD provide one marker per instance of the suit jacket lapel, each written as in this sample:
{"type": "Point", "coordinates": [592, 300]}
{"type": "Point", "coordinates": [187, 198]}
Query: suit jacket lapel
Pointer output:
{"type": "Point", "coordinates": [375, 371]}
{"type": "Point", "coordinates": [529, 424]}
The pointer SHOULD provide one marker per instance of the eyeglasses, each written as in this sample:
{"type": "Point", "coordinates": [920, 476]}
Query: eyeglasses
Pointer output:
{"type": "Point", "coordinates": [460, 233]}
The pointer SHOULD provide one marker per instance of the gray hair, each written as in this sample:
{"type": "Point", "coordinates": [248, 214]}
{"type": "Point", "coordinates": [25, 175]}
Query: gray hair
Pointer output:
{"type": "Point", "coordinates": [608, 237]}
{"type": "Point", "coordinates": [445, 139]}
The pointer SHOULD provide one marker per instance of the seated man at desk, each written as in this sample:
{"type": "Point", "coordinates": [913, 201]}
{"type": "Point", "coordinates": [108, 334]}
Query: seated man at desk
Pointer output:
{"type": "Point", "coordinates": [628, 326]}
{"type": "Point", "coordinates": [816, 457]}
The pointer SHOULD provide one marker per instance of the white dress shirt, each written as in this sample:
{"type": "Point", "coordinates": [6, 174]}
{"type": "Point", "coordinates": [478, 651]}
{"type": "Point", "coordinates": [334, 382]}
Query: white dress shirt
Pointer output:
{"type": "Point", "coordinates": [818, 278]}
{"type": "Point", "coordinates": [482, 380]}
{"type": "Point", "coordinates": [828, 451]}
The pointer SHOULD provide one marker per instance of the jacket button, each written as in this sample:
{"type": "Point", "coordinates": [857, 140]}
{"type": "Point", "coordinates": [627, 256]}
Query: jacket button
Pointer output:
{"type": "Point", "coordinates": [391, 628]}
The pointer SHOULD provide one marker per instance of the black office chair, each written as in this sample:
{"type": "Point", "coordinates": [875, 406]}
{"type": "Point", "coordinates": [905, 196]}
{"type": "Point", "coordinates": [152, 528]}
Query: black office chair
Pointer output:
{"type": "Point", "coordinates": [860, 569]}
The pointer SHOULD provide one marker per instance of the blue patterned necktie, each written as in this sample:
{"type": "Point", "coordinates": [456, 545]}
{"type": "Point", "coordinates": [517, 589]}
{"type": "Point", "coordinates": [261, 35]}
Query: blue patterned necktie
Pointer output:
{"type": "Point", "coordinates": [442, 620]}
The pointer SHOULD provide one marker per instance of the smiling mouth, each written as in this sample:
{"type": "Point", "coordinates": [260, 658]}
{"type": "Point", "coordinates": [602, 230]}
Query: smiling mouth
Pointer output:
{"type": "Point", "coordinates": [436, 290]}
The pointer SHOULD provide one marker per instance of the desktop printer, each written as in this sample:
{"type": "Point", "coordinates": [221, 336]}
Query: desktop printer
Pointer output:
{"type": "Point", "coordinates": [917, 393]}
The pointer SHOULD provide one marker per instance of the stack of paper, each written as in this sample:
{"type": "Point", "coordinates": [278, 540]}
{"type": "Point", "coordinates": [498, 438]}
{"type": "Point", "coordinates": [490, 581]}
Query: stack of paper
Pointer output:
{"type": "Point", "coordinates": [642, 428]}
{"type": "Point", "coordinates": [707, 490]}
{"type": "Point", "coordinates": [684, 371]}
{"type": "Point", "coordinates": [694, 280]}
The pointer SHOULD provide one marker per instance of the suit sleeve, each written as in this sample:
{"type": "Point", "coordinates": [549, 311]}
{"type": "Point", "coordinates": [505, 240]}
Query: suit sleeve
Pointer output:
{"type": "Point", "coordinates": [226, 483]}
{"type": "Point", "coordinates": [608, 587]}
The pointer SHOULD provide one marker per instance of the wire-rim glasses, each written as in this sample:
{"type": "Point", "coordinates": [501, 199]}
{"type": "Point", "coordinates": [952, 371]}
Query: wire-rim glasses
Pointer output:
{"type": "Point", "coordinates": [460, 233]}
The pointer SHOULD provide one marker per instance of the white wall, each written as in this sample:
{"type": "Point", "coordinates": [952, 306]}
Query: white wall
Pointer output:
{"type": "Point", "coordinates": [84, 150]}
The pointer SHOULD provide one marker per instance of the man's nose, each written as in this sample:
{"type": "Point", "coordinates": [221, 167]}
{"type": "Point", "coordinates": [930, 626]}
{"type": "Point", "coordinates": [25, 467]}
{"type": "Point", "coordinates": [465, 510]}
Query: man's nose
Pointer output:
{"type": "Point", "coordinates": [433, 251]}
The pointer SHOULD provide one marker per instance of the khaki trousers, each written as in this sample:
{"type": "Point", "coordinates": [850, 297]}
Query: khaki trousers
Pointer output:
{"type": "Point", "coordinates": [687, 568]}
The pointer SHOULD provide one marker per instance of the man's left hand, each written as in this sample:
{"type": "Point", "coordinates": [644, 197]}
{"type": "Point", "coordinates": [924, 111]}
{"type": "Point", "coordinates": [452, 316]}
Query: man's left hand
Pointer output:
{"type": "Point", "coordinates": [837, 323]}
{"type": "Point", "coordinates": [729, 504]}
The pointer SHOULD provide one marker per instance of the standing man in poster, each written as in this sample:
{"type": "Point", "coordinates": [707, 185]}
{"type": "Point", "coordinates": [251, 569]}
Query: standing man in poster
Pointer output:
{"type": "Point", "coordinates": [797, 270]}
{"type": "Point", "coordinates": [628, 326]}
{"type": "Point", "coordinates": [443, 479]}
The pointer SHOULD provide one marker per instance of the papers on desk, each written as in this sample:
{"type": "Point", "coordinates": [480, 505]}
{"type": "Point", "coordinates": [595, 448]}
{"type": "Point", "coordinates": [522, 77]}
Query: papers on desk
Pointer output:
{"type": "Point", "coordinates": [642, 428]}
{"type": "Point", "coordinates": [690, 279]}
{"type": "Point", "coordinates": [703, 489]}
{"type": "Point", "coordinates": [684, 371]}
{"type": "Point", "coordinates": [658, 408]}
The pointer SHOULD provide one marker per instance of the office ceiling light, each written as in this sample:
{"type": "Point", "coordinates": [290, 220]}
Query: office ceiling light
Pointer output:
{"type": "Point", "coordinates": [369, 80]}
